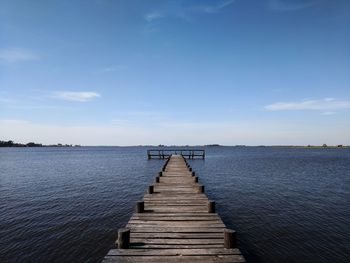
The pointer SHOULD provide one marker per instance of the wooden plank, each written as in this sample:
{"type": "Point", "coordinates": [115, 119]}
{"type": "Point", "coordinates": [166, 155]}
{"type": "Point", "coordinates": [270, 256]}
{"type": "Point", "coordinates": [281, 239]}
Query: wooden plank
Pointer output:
{"type": "Point", "coordinates": [175, 196]}
{"type": "Point", "coordinates": [156, 204]}
{"type": "Point", "coordinates": [178, 241]}
{"type": "Point", "coordinates": [174, 252]}
{"type": "Point", "coordinates": [173, 246]}
{"type": "Point", "coordinates": [165, 209]}
{"type": "Point", "coordinates": [173, 222]}
{"type": "Point", "coordinates": [176, 235]}
{"type": "Point", "coordinates": [176, 202]}
{"type": "Point", "coordinates": [153, 229]}
{"type": "Point", "coordinates": [200, 214]}
{"type": "Point", "coordinates": [142, 223]}
{"type": "Point", "coordinates": [177, 218]}
{"type": "Point", "coordinates": [141, 219]}
{"type": "Point", "coordinates": [172, 259]}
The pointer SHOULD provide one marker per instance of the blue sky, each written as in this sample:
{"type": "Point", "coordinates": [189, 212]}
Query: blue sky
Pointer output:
{"type": "Point", "coordinates": [104, 72]}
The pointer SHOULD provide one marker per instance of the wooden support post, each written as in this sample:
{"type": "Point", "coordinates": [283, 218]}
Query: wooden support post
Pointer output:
{"type": "Point", "coordinates": [150, 189]}
{"type": "Point", "coordinates": [157, 179]}
{"type": "Point", "coordinates": [195, 179]}
{"type": "Point", "coordinates": [140, 207]}
{"type": "Point", "coordinates": [163, 169]}
{"type": "Point", "coordinates": [123, 238]}
{"type": "Point", "coordinates": [160, 173]}
{"type": "Point", "coordinates": [200, 188]}
{"type": "Point", "coordinates": [190, 169]}
{"type": "Point", "coordinates": [230, 238]}
{"type": "Point", "coordinates": [211, 207]}
{"type": "Point", "coordinates": [193, 173]}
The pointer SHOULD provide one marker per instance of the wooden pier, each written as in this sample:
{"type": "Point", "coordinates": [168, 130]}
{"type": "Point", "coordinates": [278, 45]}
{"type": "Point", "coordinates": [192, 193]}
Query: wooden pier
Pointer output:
{"type": "Point", "coordinates": [175, 222]}
{"type": "Point", "coordinates": [166, 153]}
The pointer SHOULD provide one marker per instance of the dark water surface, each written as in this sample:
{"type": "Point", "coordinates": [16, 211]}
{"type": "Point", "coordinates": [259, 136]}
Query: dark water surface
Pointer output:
{"type": "Point", "coordinates": [66, 204]}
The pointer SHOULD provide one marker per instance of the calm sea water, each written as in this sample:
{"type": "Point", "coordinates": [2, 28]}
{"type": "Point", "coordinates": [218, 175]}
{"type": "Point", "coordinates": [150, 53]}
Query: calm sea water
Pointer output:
{"type": "Point", "coordinates": [66, 204]}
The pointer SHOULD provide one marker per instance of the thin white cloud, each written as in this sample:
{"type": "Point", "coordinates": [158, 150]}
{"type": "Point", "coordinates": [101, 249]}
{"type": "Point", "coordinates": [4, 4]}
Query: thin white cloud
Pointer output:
{"type": "Point", "coordinates": [28, 103]}
{"type": "Point", "coordinates": [210, 9]}
{"type": "Point", "coordinates": [37, 107]}
{"type": "Point", "coordinates": [81, 96]}
{"type": "Point", "coordinates": [17, 55]}
{"type": "Point", "coordinates": [109, 69]}
{"type": "Point", "coordinates": [290, 5]}
{"type": "Point", "coordinates": [114, 69]}
{"type": "Point", "coordinates": [180, 10]}
{"type": "Point", "coordinates": [328, 113]}
{"type": "Point", "coordinates": [323, 104]}
{"type": "Point", "coordinates": [13, 121]}
{"type": "Point", "coordinates": [149, 17]}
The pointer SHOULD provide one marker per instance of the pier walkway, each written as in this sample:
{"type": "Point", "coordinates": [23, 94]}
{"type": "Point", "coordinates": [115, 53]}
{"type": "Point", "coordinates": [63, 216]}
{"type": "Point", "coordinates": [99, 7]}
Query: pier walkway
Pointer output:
{"type": "Point", "coordinates": [175, 222]}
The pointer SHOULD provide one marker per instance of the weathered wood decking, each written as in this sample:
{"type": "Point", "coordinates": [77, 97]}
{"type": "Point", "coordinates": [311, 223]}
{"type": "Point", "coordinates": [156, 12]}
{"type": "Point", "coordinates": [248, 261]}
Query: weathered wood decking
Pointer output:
{"type": "Point", "coordinates": [175, 223]}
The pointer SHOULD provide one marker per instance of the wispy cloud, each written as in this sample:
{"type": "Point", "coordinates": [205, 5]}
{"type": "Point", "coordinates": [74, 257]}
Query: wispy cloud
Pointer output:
{"type": "Point", "coordinates": [328, 113]}
{"type": "Point", "coordinates": [26, 103]}
{"type": "Point", "coordinates": [113, 69]}
{"type": "Point", "coordinates": [81, 96]}
{"type": "Point", "coordinates": [182, 10]}
{"type": "Point", "coordinates": [290, 5]}
{"type": "Point", "coordinates": [323, 104]}
{"type": "Point", "coordinates": [32, 107]}
{"type": "Point", "coordinates": [153, 20]}
{"type": "Point", "coordinates": [149, 17]}
{"type": "Point", "coordinates": [13, 121]}
{"type": "Point", "coordinates": [17, 55]}
{"type": "Point", "coordinates": [215, 8]}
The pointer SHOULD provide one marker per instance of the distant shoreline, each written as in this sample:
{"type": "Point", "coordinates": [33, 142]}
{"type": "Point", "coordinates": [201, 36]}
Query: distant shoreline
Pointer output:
{"type": "Point", "coordinates": [11, 144]}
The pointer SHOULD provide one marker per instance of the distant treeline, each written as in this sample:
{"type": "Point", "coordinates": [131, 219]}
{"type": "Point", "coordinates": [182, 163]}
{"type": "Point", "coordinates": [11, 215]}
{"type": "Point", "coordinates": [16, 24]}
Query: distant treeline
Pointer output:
{"type": "Point", "coordinates": [31, 144]}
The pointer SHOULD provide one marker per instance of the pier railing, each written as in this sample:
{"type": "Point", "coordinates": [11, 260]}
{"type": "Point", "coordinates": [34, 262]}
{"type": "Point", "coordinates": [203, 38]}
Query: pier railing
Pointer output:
{"type": "Point", "coordinates": [166, 153]}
